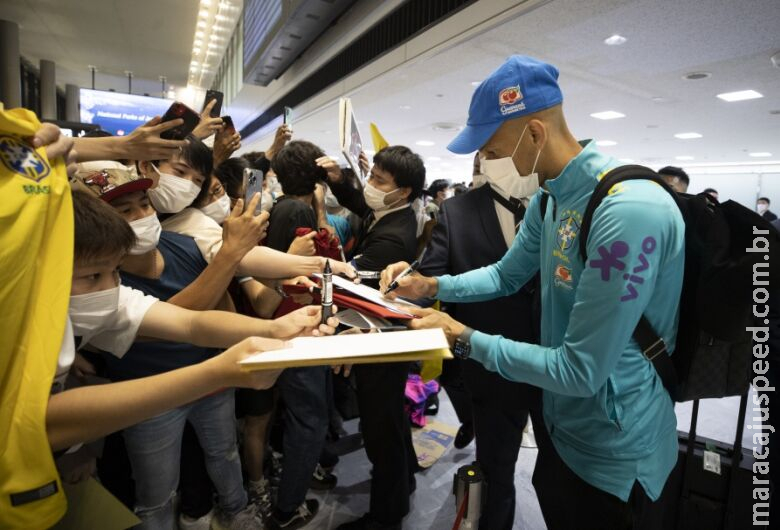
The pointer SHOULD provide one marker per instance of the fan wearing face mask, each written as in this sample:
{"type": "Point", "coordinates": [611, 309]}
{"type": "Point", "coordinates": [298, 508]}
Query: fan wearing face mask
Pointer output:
{"type": "Point", "coordinates": [182, 187]}
{"type": "Point", "coordinates": [388, 232]}
{"type": "Point", "coordinates": [173, 270]}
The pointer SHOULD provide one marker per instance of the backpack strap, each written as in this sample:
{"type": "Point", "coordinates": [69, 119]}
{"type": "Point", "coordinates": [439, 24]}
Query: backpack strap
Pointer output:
{"type": "Point", "coordinates": [543, 204]}
{"type": "Point", "coordinates": [653, 346]}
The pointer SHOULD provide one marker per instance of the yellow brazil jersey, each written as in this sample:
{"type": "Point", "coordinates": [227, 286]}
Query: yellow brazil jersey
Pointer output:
{"type": "Point", "coordinates": [36, 261]}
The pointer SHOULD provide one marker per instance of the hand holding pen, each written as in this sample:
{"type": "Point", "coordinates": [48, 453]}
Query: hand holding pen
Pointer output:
{"type": "Point", "coordinates": [390, 282]}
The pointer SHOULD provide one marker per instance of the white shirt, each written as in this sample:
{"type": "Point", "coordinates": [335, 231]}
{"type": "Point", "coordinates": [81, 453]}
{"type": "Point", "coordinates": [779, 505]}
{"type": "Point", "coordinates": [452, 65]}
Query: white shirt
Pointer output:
{"type": "Point", "coordinates": [206, 232]}
{"type": "Point", "coordinates": [121, 330]}
{"type": "Point", "coordinates": [65, 358]}
{"type": "Point", "coordinates": [506, 219]}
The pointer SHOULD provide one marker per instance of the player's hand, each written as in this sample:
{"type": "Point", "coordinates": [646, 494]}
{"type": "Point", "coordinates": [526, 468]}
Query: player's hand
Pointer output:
{"type": "Point", "coordinates": [413, 286]}
{"type": "Point", "coordinates": [432, 319]}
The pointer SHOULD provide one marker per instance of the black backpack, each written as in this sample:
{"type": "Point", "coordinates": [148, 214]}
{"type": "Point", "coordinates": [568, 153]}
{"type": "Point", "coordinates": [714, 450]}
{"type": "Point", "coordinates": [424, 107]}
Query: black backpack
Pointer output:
{"type": "Point", "coordinates": [713, 354]}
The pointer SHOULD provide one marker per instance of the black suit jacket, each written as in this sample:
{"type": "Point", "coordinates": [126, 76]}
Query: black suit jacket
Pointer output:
{"type": "Point", "coordinates": [467, 237]}
{"type": "Point", "coordinates": [392, 239]}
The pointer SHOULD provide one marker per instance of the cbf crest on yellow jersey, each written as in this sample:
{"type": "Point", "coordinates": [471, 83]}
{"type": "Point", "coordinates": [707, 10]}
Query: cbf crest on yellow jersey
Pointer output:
{"type": "Point", "coordinates": [36, 260]}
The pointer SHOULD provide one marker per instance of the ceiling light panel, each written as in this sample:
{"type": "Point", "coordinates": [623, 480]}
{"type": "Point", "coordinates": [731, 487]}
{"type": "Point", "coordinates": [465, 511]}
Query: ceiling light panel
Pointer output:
{"type": "Point", "coordinates": [607, 115]}
{"type": "Point", "coordinates": [687, 135]}
{"type": "Point", "coordinates": [216, 21]}
{"type": "Point", "coordinates": [740, 95]}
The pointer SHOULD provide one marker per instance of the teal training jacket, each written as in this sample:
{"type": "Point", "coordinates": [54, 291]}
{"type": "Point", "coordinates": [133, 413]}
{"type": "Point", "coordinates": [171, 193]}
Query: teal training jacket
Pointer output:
{"type": "Point", "coordinates": [608, 413]}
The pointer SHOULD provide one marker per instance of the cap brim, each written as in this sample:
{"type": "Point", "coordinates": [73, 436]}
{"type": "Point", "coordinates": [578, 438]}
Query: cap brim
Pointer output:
{"type": "Point", "coordinates": [472, 138]}
{"type": "Point", "coordinates": [136, 185]}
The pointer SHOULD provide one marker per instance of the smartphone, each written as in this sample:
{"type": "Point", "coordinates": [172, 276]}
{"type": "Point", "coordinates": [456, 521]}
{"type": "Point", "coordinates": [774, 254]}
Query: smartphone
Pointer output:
{"type": "Point", "coordinates": [180, 110]}
{"type": "Point", "coordinates": [253, 183]}
{"type": "Point", "coordinates": [214, 94]}
{"type": "Point", "coordinates": [228, 121]}
{"type": "Point", "coordinates": [287, 116]}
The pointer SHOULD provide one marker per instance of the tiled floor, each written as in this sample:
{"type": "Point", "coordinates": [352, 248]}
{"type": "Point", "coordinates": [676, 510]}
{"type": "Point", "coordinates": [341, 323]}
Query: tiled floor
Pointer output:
{"type": "Point", "coordinates": [433, 505]}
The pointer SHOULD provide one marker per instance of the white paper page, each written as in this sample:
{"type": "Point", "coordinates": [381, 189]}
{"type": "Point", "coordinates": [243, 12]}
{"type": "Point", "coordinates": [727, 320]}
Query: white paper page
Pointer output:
{"type": "Point", "coordinates": [368, 293]}
{"type": "Point", "coordinates": [355, 345]}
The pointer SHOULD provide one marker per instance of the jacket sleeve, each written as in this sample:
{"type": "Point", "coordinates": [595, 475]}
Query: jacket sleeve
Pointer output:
{"type": "Point", "coordinates": [437, 253]}
{"type": "Point", "coordinates": [627, 245]}
{"type": "Point", "coordinates": [350, 198]}
{"type": "Point", "coordinates": [506, 276]}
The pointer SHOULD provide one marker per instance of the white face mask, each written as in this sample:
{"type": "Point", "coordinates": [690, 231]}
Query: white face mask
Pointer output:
{"type": "Point", "coordinates": [762, 208]}
{"type": "Point", "coordinates": [172, 194]}
{"type": "Point", "coordinates": [501, 173]}
{"type": "Point", "coordinates": [93, 312]}
{"type": "Point", "coordinates": [375, 198]}
{"type": "Point", "coordinates": [219, 209]}
{"type": "Point", "coordinates": [147, 234]}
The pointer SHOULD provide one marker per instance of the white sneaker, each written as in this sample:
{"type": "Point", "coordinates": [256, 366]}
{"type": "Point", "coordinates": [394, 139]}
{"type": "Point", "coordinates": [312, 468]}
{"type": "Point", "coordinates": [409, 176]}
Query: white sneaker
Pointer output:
{"type": "Point", "coordinates": [260, 495]}
{"type": "Point", "coordinates": [246, 519]}
{"type": "Point", "coordinates": [202, 523]}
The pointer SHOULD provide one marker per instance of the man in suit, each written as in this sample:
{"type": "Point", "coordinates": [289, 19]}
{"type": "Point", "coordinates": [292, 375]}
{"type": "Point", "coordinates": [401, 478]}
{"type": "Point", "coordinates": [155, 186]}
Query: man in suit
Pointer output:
{"type": "Point", "coordinates": [388, 234]}
{"type": "Point", "coordinates": [470, 234]}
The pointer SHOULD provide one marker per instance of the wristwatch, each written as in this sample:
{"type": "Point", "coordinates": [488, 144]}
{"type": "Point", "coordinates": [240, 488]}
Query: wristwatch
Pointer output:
{"type": "Point", "coordinates": [462, 347]}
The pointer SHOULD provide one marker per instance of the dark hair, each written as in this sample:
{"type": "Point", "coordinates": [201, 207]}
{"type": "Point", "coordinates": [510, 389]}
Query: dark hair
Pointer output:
{"type": "Point", "coordinates": [231, 175]}
{"type": "Point", "coordinates": [296, 169]}
{"type": "Point", "coordinates": [200, 158]}
{"type": "Point", "coordinates": [710, 190]}
{"type": "Point", "coordinates": [673, 171]}
{"type": "Point", "coordinates": [437, 186]}
{"type": "Point", "coordinates": [459, 188]}
{"type": "Point", "coordinates": [100, 231]}
{"type": "Point", "coordinates": [405, 166]}
{"type": "Point", "coordinates": [768, 202]}
{"type": "Point", "coordinates": [257, 160]}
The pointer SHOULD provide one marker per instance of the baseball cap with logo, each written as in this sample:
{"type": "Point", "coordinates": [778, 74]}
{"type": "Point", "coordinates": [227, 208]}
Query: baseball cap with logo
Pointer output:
{"type": "Point", "coordinates": [522, 85]}
{"type": "Point", "coordinates": [110, 182]}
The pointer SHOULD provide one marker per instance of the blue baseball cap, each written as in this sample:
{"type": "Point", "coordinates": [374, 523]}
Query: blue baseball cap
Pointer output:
{"type": "Point", "coordinates": [522, 85]}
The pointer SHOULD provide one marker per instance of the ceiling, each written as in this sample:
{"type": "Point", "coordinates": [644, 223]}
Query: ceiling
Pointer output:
{"type": "Point", "coordinates": [151, 38]}
{"type": "Point", "coordinates": [642, 78]}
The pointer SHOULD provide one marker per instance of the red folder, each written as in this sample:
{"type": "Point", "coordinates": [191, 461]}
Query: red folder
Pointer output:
{"type": "Point", "coordinates": [349, 301]}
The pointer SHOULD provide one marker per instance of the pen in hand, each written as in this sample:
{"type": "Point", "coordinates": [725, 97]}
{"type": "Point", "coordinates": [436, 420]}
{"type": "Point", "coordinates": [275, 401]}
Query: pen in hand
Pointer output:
{"type": "Point", "coordinates": [406, 272]}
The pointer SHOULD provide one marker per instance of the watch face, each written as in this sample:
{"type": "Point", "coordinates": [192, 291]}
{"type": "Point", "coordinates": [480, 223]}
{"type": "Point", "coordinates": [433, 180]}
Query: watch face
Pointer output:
{"type": "Point", "coordinates": [461, 350]}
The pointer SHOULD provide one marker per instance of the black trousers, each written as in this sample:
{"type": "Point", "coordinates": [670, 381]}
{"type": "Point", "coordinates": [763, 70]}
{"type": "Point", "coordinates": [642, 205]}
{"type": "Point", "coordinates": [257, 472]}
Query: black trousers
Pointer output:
{"type": "Point", "coordinates": [460, 397]}
{"type": "Point", "coordinates": [500, 409]}
{"type": "Point", "coordinates": [387, 437]}
{"type": "Point", "coordinates": [570, 503]}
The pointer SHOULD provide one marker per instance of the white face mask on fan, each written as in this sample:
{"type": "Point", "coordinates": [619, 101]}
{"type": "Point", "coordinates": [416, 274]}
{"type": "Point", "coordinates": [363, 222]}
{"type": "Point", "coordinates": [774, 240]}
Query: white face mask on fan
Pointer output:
{"type": "Point", "coordinates": [92, 312]}
{"type": "Point", "coordinates": [172, 194]}
{"type": "Point", "coordinates": [502, 174]}
{"type": "Point", "coordinates": [219, 209]}
{"type": "Point", "coordinates": [147, 234]}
